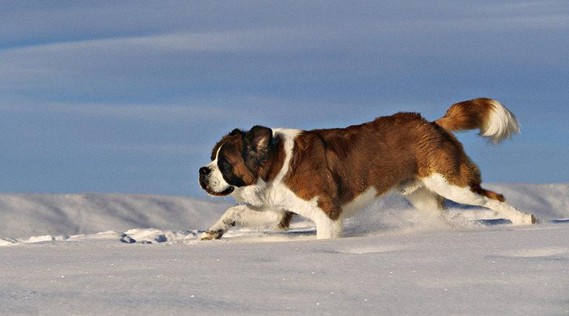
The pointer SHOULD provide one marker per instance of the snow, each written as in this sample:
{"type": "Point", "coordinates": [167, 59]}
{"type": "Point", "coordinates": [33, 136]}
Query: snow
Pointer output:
{"type": "Point", "coordinates": [23, 215]}
{"type": "Point", "coordinates": [93, 254]}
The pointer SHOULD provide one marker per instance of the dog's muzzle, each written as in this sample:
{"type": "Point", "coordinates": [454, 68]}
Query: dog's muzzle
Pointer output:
{"type": "Point", "coordinates": [205, 172]}
{"type": "Point", "coordinates": [204, 179]}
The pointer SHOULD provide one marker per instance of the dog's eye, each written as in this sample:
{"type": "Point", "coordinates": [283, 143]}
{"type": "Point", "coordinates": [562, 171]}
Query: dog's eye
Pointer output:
{"type": "Point", "coordinates": [224, 166]}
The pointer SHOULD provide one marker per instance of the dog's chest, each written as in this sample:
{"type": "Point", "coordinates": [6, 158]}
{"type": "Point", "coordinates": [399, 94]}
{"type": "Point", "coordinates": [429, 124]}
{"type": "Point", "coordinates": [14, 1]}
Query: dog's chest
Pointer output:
{"type": "Point", "coordinates": [276, 196]}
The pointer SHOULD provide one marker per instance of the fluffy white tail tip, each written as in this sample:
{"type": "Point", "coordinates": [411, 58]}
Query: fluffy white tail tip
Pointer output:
{"type": "Point", "coordinates": [501, 124]}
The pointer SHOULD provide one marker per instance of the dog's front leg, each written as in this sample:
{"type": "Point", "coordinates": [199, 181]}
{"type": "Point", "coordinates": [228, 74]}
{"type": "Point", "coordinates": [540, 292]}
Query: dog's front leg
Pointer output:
{"type": "Point", "coordinates": [227, 220]}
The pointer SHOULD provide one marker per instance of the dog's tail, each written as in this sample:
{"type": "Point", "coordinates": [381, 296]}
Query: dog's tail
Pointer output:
{"type": "Point", "coordinates": [492, 118]}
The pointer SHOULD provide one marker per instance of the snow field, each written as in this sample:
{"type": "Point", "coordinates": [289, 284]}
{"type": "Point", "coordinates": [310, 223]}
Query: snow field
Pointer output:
{"type": "Point", "coordinates": [113, 254]}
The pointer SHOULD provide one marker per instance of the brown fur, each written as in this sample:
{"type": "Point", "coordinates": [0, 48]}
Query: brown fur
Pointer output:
{"type": "Point", "coordinates": [466, 115]}
{"type": "Point", "coordinates": [343, 163]}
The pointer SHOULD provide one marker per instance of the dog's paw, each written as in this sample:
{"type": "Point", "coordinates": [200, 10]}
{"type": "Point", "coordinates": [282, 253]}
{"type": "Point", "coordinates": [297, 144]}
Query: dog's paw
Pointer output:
{"type": "Point", "coordinates": [211, 234]}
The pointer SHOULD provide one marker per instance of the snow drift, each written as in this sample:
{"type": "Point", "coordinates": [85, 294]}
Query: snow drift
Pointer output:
{"type": "Point", "coordinates": [131, 218]}
{"type": "Point", "coordinates": [24, 215]}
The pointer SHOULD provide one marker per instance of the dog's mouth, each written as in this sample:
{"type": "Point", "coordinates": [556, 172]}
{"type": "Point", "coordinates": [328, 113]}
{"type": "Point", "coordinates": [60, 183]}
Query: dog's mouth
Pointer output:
{"type": "Point", "coordinates": [209, 191]}
{"type": "Point", "coordinates": [225, 192]}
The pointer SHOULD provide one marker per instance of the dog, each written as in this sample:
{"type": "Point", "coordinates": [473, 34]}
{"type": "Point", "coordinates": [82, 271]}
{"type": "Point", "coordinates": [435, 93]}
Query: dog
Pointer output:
{"type": "Point", "coordinates": [325, 175]}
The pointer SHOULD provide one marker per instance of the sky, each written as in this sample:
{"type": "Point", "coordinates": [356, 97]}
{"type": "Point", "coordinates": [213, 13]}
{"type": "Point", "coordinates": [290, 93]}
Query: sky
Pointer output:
{"type": "Point", "coordinates": [130, 96]}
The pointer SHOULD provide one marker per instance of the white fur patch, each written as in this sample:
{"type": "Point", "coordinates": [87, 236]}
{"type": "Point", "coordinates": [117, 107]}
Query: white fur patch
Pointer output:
{"type": "Point", "coordinates": [437, 183]}
{"type": "Point", "coordinates": [216, 181]}
{"type": "Point", "coordinates": [501, 124]}
{"type": "Point", "coordinates": [289, 135]}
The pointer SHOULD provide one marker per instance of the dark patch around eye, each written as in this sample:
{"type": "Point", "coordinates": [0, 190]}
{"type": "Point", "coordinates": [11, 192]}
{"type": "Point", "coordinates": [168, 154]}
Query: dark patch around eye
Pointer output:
{"type": "Point", "coordinates": [226, 170]}
{"type": "Point", "coordinates": [224, 166]}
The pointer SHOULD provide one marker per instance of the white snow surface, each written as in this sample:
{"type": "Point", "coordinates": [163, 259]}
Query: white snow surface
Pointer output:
{"type": "Point", "coordinates": [93, 254]}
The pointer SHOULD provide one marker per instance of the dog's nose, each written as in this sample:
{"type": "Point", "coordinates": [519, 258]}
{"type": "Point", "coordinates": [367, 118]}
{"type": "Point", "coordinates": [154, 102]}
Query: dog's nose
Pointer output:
{"type": "Point", "coordinates": [204, 171]}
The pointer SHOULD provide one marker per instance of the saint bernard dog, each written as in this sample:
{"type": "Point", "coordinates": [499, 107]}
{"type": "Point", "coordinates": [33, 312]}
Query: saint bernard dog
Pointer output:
{"type": "Point", "coordinates": [325, 175]}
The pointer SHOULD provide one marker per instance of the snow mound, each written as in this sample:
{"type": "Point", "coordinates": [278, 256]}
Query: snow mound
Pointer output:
{"type": "Point", "coordinates": [24, 215]}
{"type": "Point", "coordinates": [160, 219]}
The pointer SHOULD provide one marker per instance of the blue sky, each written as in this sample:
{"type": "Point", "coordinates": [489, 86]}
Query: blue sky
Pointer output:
{"type": "Point", "coordinates": [130, 96]}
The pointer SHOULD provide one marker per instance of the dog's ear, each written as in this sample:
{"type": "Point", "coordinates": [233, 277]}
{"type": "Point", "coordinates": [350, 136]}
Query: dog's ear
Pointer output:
{"type": "Point", "coordinates": [258, 142]}
{"type": "Point", "coordinates": [235, 132]}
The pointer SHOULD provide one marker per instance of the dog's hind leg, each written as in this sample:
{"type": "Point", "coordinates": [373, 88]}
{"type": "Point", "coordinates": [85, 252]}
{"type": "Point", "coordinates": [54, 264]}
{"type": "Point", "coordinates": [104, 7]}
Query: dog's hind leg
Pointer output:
{"type": "Point", "coordinates": [498, 204]}
{"type": "Point", "coordinates": [475, 195]}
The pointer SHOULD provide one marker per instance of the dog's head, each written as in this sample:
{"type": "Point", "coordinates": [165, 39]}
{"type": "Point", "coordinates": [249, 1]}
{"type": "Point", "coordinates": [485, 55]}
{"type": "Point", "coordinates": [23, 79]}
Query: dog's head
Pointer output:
{"type": "Point", "coordinates": [236, 160]}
